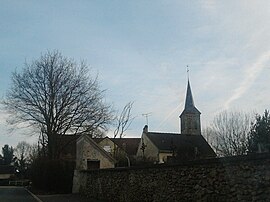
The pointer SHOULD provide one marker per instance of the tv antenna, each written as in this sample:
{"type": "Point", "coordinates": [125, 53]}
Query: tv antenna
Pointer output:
{"type": "Point", "coordinates": [146, 115]}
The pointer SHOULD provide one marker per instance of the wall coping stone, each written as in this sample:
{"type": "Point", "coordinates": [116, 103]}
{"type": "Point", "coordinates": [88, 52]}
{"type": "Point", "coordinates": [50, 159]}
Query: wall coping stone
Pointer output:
{"type": "Point", "coordinates": [199, 162]}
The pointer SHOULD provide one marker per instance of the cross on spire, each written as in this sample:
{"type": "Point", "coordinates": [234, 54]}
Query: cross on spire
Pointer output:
{"type": "Point", "coordinates": [187, 72]}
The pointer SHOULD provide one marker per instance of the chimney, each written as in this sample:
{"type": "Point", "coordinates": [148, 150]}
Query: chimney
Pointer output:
{"type": "Point", "coordinates": [145, 129]}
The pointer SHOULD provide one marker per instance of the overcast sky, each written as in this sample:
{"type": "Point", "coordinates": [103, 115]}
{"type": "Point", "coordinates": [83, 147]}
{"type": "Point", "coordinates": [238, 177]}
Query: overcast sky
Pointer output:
{"type": "Point", "coordinates": [140, 49]}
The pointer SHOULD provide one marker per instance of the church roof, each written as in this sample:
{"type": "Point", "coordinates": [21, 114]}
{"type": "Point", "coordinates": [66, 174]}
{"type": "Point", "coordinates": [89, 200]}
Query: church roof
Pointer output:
{"type": "Point", "coordinates": [172, 141]}
{"type": "Point", "coordinates": [189, 104]}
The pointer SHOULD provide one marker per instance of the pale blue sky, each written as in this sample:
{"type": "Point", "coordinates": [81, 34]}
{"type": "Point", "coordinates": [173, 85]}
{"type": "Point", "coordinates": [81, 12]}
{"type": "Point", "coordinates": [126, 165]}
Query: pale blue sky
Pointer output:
{"type": "Point", "coordinates": [140, 50]}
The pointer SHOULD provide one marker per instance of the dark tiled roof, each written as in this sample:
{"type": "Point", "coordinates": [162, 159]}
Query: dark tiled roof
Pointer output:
{"type": "Point", "coordinates": [174, 141]}
{"type": "Point", "coordinates": [129, 145]}
{"type": "Point", "coordinates": [98, 140]}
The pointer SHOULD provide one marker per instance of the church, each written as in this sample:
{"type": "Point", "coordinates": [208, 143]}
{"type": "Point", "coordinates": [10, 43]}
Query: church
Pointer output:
{"type": "Point", "coordinates": [188, 145]}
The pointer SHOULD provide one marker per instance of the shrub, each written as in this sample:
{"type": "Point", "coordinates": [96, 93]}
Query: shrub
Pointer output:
{"type": "Point", "coordinates": [52, 176]}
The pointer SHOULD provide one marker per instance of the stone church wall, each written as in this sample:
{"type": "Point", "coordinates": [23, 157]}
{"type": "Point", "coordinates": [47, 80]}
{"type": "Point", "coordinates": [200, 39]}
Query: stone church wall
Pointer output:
{"type": "Point", "coordinates": [242, 178]}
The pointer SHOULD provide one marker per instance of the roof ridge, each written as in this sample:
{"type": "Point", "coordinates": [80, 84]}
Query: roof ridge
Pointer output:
{"type": "Point", "coordinates": [99, 148]}
{"type": "Point", "coordinates": [172, 133]}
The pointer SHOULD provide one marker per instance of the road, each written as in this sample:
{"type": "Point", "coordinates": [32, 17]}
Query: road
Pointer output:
{"type": "Point", "coordinates": [15, 194]}
{"type": "Point", "coordinates": [64, 198]}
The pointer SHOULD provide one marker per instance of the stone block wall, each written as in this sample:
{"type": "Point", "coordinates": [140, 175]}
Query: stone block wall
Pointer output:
{"type": "Point", "coordinates": [242, 178]}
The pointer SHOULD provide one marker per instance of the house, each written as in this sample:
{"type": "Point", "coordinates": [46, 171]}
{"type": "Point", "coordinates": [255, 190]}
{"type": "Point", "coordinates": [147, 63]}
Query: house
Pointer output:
{"type": "Point", "coordinates": [89, 155]}
{"type": "Point", "coordinates": [127, 145]}
{"type": "Point", "coordinates": [6, 172]}
{"type": "Point", "coordinates": [187, 145]}
{"type": "Point", "coordinates": [124, 150]}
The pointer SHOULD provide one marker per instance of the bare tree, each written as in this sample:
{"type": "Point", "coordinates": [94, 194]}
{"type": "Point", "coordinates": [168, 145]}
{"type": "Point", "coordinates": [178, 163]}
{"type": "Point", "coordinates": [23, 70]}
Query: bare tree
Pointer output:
{"type": "Point", "coordinates": [58, 96]}
{"type": "Point", "coordinates": [229, 132]}
{"type": "Point", "coordinates": [123, 121]}
{"type": "Point", "coordinates": [22, 154]}
{"type": "Point", "coordinates": [34, 153]}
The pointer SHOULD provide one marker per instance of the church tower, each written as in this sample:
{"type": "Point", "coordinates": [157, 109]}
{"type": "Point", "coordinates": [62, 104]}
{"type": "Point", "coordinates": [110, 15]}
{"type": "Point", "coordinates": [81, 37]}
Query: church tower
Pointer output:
{"type": "Point", "coordinates": [190, 117]}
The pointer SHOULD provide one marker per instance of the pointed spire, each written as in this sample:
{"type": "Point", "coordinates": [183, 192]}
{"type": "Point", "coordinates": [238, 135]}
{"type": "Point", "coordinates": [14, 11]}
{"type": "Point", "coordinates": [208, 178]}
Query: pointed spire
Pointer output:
{"type": "Point", "coordinates": [189, 98]}
{"type": "Point", "coordinates": [189, 104]}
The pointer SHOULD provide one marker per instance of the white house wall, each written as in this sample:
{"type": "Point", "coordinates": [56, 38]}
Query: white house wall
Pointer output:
{"type": "Point", "coordinates": [151, 152]}
{"type": "Point", "coordinates": [88, 150]}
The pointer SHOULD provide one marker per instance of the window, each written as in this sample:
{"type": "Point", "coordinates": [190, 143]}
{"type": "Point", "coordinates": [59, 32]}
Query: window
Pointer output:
{"type": "Point", "coordinates": [107, 148]}
{"type": "Point", "coordinates": [195, 124]}
{"type": "Point", "coordinates": [93, 164]}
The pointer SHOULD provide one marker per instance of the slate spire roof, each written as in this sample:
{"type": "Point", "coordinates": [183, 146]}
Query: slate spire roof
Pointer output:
{"type": "Point", "coordinates": [189, 98]}
{"type": "Point", "coordinates": [189, 104]}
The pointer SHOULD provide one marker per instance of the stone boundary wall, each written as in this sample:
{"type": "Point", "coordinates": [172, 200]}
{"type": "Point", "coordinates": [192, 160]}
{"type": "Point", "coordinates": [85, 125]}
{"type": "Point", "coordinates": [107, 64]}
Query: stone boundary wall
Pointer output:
{"type": "Point", "coordinates": [241, 178]}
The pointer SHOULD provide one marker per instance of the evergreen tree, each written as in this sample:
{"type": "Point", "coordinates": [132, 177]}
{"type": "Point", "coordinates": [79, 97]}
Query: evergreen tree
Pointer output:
{"type": "Point", "coordinates": [7, 152]}
{"type": "Point", "coordinates": [259, 139]}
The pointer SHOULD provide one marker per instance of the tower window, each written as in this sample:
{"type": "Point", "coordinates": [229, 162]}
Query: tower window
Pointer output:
{"type": "Point", "coordinates": [195, 125]}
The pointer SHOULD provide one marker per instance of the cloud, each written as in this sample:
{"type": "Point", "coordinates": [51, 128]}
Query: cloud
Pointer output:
{"type": "Point", "coordinates": [251, 75]}
{"type": "Point", "coordinates": [209, 5]}
{"type": "Point", "coordinates": [171, 115]}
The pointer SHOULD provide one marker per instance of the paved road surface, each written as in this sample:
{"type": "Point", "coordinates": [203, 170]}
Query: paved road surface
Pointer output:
{"type": "Point", "coordinates": [19, 194]}
{"type": "Point", "coordinates": [15, 194]}
{"type": "Point", "coordinates": [64, 198]}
